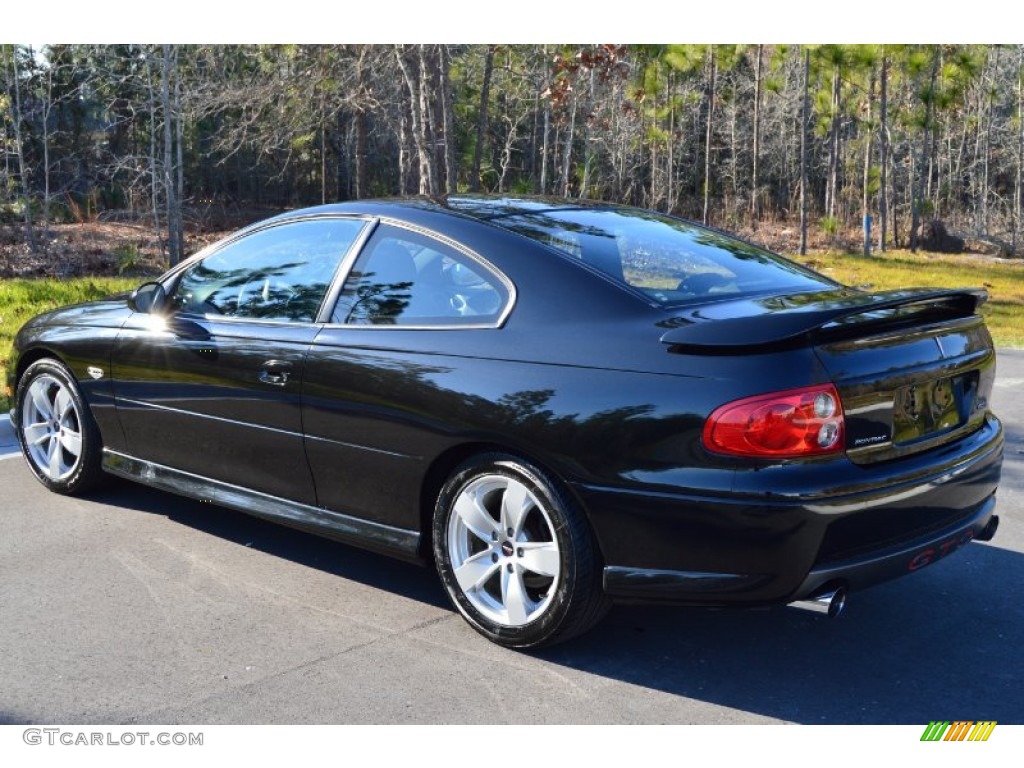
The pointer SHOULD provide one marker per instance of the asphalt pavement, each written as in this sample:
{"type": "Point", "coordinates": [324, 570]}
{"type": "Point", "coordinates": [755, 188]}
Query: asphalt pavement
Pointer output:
{"type": "Point", "coordinates": [136, 606]}
{"type": "Point", "coordinates": [8, 440]}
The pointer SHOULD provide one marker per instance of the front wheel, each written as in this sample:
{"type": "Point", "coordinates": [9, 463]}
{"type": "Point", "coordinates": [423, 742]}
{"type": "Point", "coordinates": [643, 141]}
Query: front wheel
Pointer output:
{"type": "Point", "coordinates": [58, 436]}
{"type": "Point", "coordinates": [515, 554]}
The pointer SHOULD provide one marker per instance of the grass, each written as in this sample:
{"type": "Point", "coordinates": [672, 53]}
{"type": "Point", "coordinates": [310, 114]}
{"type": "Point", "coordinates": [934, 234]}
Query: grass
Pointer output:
{"type": "Point", "coordinates": [21, 299]}
{"type": "Point", "coordinates": [1004, 280]}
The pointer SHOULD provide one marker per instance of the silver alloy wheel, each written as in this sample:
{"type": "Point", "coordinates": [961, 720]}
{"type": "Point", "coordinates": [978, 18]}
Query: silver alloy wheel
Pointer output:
{"type": "Point", "coordinates": [503, 551]}
{"type": "Point", "coordinates": [51, 427]}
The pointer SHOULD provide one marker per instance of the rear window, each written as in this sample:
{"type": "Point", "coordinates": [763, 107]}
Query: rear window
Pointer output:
{"type": "Point", "coordinates": [670, 260]}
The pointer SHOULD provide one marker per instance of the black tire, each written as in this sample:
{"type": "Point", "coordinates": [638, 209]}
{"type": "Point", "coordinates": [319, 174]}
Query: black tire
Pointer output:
{"type": "Point", "coordinates": [53, 422]}
{"type": "Point", "coordinates": [538, 586]}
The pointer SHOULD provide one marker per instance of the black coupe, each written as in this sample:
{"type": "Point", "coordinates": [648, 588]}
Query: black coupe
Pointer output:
{"type": "Point", "coordinates": [560, 403]}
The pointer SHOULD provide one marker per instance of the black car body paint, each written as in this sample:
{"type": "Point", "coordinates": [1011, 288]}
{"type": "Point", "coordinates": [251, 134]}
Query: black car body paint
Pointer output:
{"type": "Point", "coordinates": [605, 387]}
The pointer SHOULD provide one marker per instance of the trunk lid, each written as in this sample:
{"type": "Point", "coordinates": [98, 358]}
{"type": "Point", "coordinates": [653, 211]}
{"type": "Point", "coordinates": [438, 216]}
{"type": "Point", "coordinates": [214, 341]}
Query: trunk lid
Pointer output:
{"type": "Point", "coordinates": [913, 389]}
{"type": "Point", "coordinates": [914, 368]}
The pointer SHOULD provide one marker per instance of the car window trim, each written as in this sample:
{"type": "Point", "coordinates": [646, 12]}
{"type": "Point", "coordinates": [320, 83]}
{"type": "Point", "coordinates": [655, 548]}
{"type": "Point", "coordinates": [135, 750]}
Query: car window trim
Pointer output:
{"type": "Point", "coordinates": [333, 294]}
{"type": "Point", "coordinates": [506, 281]}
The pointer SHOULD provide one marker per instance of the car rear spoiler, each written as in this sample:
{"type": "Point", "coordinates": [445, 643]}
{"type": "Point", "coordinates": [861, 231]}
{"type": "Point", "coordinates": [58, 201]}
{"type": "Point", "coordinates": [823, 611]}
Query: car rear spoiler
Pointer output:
{"type": "Point", "coordinates": [848, 315]}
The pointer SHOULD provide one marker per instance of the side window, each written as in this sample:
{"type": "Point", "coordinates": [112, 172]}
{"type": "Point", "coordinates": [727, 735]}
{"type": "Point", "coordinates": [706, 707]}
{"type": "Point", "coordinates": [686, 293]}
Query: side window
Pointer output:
{"type": "Point", "coordinates": [280, 273]}
{"type": "Point", "coordinates": [404, 278]}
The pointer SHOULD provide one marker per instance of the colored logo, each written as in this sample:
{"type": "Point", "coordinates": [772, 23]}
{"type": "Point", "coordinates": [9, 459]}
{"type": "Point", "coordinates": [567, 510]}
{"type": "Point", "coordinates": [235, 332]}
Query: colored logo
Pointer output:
{"type": "Point", "coordinates": [961, 730]}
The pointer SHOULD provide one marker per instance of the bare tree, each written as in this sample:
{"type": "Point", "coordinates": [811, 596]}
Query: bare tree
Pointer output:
{"type": "Point", "coordinates": [481, 121]}
{"type": "Point", "coordinates": [929, 98]}
{"type": "Point", "coordinates": [1019, 188]}
{"type": "Point", "coordinates": [805, 120]}
{"type": "Point", "coordinates": [175, 232]}
{"type": "Point", "coordinates": [451, 166]}
{"type": "Point", "coordinates": [712, 72]}
{"type": "Point", "coordinates": [756, 148]}
{"type": "Point", "coordinates": [19, 148]}
{"type": "Point", "coordinates": [883, 132]}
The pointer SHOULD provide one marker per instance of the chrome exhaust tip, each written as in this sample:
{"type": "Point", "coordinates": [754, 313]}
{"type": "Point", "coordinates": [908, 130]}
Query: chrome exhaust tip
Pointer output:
{"type": "Point", "coordinates": [831, 603]}
{"type": "Point", "coordinates": [989, 530]}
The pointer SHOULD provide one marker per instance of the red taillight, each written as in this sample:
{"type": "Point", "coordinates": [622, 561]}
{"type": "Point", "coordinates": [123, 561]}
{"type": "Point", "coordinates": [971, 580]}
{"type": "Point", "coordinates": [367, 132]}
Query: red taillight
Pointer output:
{"type": "Point", "coordinates": [790, 424]}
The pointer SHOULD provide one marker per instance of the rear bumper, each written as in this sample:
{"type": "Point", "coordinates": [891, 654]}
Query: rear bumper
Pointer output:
{"type": "Point", "coordinates": [874, 524]}
{"type": "Point", "coordinates": [893, 562]}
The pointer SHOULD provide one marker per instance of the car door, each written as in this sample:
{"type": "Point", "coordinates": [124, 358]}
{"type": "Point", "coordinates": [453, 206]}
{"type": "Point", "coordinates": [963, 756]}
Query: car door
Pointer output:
{"type": "Point", "coordinates": [212, 385]}
{"type": "Point", "coordinates": [377, 371]}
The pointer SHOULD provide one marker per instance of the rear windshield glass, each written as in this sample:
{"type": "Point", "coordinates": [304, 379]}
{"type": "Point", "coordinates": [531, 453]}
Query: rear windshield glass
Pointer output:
{"type": "Point", "coordinates": [672, 261]}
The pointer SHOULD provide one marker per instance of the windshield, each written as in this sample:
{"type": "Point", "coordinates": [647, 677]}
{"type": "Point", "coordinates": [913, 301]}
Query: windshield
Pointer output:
{"type": "Point", "coordinates": [670, 260]}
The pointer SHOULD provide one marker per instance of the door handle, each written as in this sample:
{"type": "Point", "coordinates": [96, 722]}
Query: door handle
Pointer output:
{"type": "Point", "coordinates": [275, 372]}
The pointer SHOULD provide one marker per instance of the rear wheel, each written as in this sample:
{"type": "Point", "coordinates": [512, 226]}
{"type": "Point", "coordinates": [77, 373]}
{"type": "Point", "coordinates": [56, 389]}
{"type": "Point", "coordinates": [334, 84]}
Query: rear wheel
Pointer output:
{"type": "Point", "coordinates": [515, 554]}
{"type": "Point", "coordinates": [58, 436]}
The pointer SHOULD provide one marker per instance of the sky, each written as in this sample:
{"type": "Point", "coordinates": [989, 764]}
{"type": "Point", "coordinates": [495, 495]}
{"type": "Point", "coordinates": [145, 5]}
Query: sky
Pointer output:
{"type": "Point", "coordinates": [515, 21]}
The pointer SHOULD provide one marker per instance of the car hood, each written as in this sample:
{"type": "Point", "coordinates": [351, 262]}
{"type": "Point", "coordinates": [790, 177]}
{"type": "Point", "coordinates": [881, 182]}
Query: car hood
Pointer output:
{"type": "Point", "coordinates": [757, 322]}
{"type": "Point", "coordinates": [107, 312]}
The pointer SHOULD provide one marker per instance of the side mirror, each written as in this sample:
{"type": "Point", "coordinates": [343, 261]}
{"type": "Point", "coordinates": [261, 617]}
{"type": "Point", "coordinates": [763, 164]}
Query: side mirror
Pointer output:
{"type": "Point", "coordinates": [148, 298]}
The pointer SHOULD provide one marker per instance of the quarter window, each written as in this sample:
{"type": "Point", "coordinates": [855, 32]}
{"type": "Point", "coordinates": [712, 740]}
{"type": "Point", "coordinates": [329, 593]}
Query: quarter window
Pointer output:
{"type": "Point", "coordinates": [281, 273]}
{"type": "Point", "coordinates": [405, 278]}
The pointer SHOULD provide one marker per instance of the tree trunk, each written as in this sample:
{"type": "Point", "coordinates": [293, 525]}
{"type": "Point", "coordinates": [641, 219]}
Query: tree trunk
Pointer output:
{"type": "Point", "coordinates": [546, 144]}
{"type": "Point", "coordinates": [361, 151]}
{"type": "Point", "coordinates": [805, 124]}
{"type": "Point", "coordinates": [567, 155]}
{"type": "Point", "coordinates": [362, 187]}
{"type": "Point", "coordinates": [47, 108]}
{"type": "Point", "coordinates": [670, 159]}
{"type": "Point", "coordinates": [652, 201]}
{"type": "Point", "coordinates": [341, 140]}
{"type": "Point", "coordinates": [707, 137]}
{"type": "Point", "coordinates": [427, 124]}
{"type": "Point", "coordinates": [988, 143]}
{"type": "Point", "coordinates": [585, 185]}
{"type": "Point", "coordinates": [865, 208]}
{"type": "Point", "coordinates": [451, 164]}
{"type": "Point", "coordinates": [883, 195]}
{"type": "Point", "coordinates": [417, 104]}
{"type": "Point", "coordinates": [323, 160]}
{"type": "Point", "coordinates": [1020, 145]}
{"type": "Point", "coordinates": [506, 152]}
{"type": "Point", "coordinates": [754, 190]}
{"type": "Point", "coordinates": [179, 191]}
{"type": "Point", "coordinates": [404, 183]}
{"type": "Point", "coordinates": [16, 118]}
{"type": "Point", "coordinates": [154, 173]}
{"type": "Point", "coordinates": [923, 164]}
{"type": "Point", "coordinates": [482, 118]}
{"type": "Point", "coordinates": [832, 188]}
{"type": "Point", "coordinates": [173, 204]}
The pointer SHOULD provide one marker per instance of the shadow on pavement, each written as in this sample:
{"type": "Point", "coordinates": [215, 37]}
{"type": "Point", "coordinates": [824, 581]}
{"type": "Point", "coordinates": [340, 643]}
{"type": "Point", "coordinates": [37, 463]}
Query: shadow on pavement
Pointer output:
{"type": "Point", "coordinates": [942, 644]}
{"type": "Point", "coordinates": [313, 551]}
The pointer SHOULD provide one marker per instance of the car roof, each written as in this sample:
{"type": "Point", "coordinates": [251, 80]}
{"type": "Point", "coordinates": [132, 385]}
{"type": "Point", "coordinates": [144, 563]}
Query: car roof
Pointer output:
{"type": "Point", "coordinates": [480, 207]}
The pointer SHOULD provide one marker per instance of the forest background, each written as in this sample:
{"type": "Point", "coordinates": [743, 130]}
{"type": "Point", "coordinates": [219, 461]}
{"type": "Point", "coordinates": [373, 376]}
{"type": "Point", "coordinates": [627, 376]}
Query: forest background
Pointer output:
{"type": "Point", "coordinates": [859, 159]}
{"type": "Point", "coordinates": [789, 145]}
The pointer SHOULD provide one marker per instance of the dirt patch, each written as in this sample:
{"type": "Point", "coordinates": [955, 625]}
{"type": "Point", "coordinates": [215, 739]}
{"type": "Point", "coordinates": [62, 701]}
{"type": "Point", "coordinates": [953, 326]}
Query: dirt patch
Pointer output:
{"type": "Point", "coordinates": [784, 237]}
{"type": "Point", "coordinates": [92, 248]}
